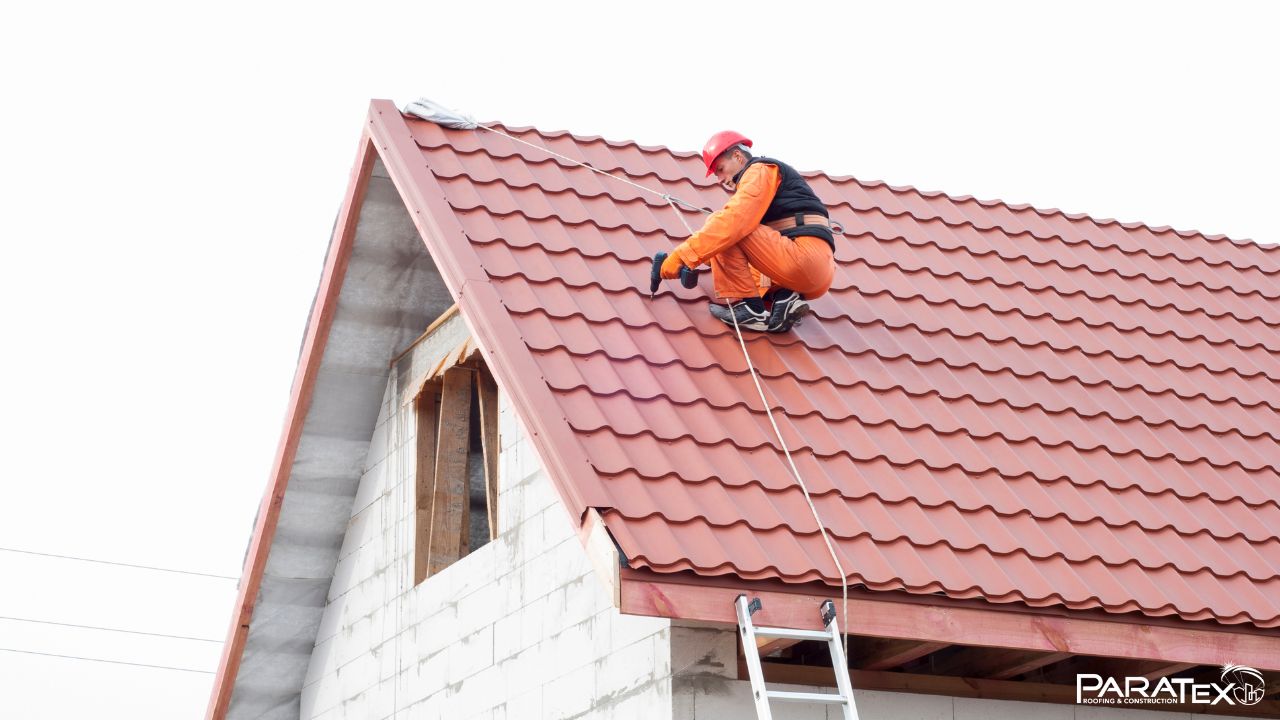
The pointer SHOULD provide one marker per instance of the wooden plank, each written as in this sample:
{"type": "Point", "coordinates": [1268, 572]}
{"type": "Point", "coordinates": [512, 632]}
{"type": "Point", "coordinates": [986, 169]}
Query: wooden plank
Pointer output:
{"type": "Point", "coordinates": [427, 414]}
{"type": "Point", "coordinates": [1114, 667]}
{"type": "Point", "coordinates": [766, 647]}
{"type": "Point", "coordinates": [450, 504]}
{"type": "Point", "coordinates": [1272, 688]}
{"type": "Point", "coordinates": [1153, 670]}
{"type": "Point", "coordinates": [603, 553]}
{"type": "Point", "coordinates": [453, 310]}
{"type": "Point", "coordinates": [882, 654]}
{"type": "Point", "coordinates": [487, 396]}
{"type": "Point", "coordinates": [994, 663]}
{"type": "Point", "coordinates": [980, 688]}
{"type": "Point", "coordinates": [645, 593]}
{"type": "Point", "coordinates": [304, 380]}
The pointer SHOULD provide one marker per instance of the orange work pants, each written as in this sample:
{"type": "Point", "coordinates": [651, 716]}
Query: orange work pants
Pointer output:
{"type": "Point", "coordinates": [804, 264]}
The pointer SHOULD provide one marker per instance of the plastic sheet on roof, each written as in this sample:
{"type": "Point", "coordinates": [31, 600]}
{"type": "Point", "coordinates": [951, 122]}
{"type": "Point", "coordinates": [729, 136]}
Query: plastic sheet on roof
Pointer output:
{"type": "Point", "coordinates": [433, 111]}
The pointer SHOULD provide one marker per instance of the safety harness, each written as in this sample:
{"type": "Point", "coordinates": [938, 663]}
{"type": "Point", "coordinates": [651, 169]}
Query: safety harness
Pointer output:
{"type": "Point", "coordinates": [795, 209]}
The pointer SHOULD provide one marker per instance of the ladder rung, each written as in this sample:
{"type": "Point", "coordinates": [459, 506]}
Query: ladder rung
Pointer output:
{"type": "Point", "coordinates": [792, 633]}
{"type": "Point", "coordinates": [784, 696]}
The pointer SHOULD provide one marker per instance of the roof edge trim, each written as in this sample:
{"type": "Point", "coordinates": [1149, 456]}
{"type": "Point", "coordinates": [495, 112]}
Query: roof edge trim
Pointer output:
{"type": "Point", "coordinates": [506, 354]}
{"type": "Point", "coordinates": [651, 595]}
{"type": "Point", "coordinates": [323, 312]}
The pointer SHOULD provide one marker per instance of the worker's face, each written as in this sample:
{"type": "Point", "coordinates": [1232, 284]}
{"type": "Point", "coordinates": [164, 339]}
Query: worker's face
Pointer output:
{"type": "Point", "coordinates": [728, 165]}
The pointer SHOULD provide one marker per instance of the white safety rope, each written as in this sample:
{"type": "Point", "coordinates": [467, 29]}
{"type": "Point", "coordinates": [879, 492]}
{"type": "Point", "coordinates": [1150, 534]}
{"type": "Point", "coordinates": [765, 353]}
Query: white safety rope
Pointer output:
{"type": "Point", "coordinates": [673, 201]}
{"type": "Point", "coordinates": [822, 527]}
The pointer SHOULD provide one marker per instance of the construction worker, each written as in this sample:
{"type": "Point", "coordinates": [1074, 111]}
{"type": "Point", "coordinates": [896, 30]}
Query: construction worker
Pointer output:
{"type": "Point", "coordinates": [770, 243]}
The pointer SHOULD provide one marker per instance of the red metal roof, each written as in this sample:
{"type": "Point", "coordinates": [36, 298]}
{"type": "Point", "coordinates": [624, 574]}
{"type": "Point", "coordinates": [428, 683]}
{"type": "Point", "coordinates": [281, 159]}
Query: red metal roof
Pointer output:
{"type": "Point", "coordinates": [992, 402]}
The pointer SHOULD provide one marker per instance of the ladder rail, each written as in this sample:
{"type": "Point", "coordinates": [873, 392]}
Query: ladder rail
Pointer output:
{"type": "Point", "coordinates": [841, 666]}
{"type": "Point", "coordinates": [752, 652]}
{"type": "Point", "coordinates": [831, 634]}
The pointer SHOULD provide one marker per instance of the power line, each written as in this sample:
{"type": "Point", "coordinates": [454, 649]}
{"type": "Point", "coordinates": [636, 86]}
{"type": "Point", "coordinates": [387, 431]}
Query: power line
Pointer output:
{"type": "Point", "coordinates": [113, 662]}
{"type": "Point", "coordinates": [96, 627]}
{"type": "Point", "coordinates": [110, 562]}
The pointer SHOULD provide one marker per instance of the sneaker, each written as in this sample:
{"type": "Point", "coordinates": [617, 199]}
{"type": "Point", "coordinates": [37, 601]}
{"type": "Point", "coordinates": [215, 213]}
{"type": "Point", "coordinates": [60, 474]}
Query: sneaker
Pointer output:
{"type": "Point", "coordinates": [789, 308]}
{"type": "Point", "coordinates": [747, 319]}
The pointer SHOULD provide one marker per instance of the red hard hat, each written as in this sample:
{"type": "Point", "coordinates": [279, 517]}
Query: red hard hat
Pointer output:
{"type": "Point", "coordinates": [720, 142]}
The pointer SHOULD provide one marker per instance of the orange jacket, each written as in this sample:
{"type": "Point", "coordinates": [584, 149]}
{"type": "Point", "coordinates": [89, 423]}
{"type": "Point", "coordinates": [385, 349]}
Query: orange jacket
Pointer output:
{"type": "Point", "coordinates": [738, 217]}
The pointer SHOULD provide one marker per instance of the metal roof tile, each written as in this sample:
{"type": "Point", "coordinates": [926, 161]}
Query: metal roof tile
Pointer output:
{"type": "Point", "coordinates": [993, 402]}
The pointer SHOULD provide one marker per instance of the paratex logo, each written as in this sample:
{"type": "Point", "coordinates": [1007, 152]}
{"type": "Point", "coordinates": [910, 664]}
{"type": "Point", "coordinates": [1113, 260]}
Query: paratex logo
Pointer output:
{"type": "Point", "coordinates": [1237, 685]}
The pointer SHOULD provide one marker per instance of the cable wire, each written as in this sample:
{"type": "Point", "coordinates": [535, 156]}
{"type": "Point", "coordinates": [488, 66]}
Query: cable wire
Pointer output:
{"type": "Point", "coordinates": [103, 660]}
{"type": "Point", "coordinates": [107, 629]}
{"type": "Point", "coordinates": [120, 564]}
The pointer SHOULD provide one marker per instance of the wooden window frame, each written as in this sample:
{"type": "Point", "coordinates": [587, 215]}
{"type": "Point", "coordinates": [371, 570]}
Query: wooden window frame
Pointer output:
{"type": "Point", "coordinates": [442, 508]}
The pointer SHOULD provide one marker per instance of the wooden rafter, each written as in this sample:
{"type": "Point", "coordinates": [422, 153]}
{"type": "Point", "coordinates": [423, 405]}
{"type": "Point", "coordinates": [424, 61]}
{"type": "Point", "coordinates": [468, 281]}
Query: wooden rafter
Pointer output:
{"type": "Point", "coordinates": [995, 663]}
{"type": "Point", "coordinates": [884, 653]}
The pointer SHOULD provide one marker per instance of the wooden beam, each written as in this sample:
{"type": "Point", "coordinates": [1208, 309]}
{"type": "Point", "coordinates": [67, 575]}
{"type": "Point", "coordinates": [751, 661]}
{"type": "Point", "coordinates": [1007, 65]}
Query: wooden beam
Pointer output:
{"type": "Point", "coordinates": [1272, 688]}
{"type": "Point", "coordinates": [602, 552]}
{"type": "Point", "coordinates": [646, 593]}
{"type": "Point", "coordinates": [450, 502]}
{"type": "Point", "coordinates": [994, 663]}
{"type": "Point", "coordinates": [450, 312]}
{"type": "Point", "coordinates": [1154, 669]}
{"type": "Point", "coordinates": [882, 653]}
{"type": "Point", "coordinates": [487, 391]}
{"type": "Point", "coordinates": [1114, 667]}
{"type": "Point", "coordinates": [427, 415]}
{"type": "Point", "coordinates": [766, 647]}
{"type": "Point", "coordinates": [979, 688]}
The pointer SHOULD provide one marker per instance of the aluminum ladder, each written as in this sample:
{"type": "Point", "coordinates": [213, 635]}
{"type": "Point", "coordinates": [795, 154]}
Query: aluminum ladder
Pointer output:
{"type": "Point", "coordinates": [831, 635]}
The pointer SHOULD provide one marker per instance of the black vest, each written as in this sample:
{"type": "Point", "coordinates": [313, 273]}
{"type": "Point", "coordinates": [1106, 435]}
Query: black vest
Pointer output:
{"type": "Point", "coordinates": [794, 196]}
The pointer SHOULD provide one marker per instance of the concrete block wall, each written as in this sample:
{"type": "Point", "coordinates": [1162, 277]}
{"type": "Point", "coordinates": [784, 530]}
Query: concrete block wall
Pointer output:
{"type": "Point", "coordinates": [520, 628]}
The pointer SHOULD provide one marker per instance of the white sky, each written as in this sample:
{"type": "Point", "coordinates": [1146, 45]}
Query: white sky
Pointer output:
{"type": "Point", "coordinates": [170, 177]}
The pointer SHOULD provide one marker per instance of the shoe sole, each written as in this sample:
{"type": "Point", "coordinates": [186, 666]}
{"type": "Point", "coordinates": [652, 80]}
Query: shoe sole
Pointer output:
{"type": "Point", "coordinates": [761, 325]}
